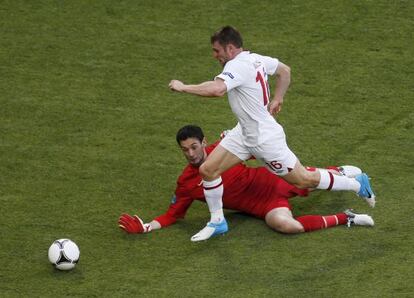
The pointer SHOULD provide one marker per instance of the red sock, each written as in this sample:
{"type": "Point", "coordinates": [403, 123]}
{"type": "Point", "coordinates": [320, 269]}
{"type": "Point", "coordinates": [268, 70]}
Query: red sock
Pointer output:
{"type": "Point", "coordinates": [317, 222]}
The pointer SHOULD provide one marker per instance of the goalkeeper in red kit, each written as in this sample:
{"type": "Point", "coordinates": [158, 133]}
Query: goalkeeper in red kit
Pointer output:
{"type": "Point", "coordinates": [254, 191]}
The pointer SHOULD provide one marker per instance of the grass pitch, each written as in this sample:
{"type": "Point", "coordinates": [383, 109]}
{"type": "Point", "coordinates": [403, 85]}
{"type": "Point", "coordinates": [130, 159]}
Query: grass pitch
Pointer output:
{"type": "Point", "coordinates": [87, 128]}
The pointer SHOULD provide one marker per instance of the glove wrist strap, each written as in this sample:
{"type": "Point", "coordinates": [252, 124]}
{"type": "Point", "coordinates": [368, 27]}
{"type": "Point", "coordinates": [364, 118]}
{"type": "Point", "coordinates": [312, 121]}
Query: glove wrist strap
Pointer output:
{"type": "Point", "coordinates": [147, 228]}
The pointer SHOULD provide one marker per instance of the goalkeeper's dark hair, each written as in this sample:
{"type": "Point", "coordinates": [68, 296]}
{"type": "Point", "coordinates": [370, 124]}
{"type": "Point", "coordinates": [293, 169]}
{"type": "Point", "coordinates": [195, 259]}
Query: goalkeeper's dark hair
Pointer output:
{"type": "Point", "coordinates": [189, 131]}
{"type": "Point", "coordinates": [227, 35]}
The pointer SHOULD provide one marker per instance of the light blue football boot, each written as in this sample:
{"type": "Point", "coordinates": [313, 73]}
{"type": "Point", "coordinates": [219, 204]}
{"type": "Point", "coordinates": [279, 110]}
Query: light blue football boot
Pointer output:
{"type": "Point", "coordinates": [211, 229]}
{"type": "Point", "coordinates": [365, 191]}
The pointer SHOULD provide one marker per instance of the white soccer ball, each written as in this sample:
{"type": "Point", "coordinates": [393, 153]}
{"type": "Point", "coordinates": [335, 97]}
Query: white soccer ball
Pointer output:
{"type": "Point", "coordinates": [64, 254]}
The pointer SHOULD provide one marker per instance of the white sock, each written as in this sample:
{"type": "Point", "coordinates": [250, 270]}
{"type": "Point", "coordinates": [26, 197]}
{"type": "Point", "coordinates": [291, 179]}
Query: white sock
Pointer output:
{"type": "Point", "coordinates": [331, 181]}
{"type": "Point", "coordinates": [213, 192]}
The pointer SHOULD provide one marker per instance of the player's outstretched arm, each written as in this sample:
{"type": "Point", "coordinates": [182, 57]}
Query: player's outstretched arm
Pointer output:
{"type": "Point", "coordinates": [282, 85]}
{"type": "Point", "coordinates": [214, 88]}
{"type": "Point", "coordinates": [135, 225]}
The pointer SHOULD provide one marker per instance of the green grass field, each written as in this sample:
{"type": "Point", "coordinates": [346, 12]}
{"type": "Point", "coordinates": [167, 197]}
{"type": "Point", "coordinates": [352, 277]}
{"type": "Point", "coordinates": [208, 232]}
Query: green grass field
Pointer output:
{"type": "Point", "coordinates": [87, 131]}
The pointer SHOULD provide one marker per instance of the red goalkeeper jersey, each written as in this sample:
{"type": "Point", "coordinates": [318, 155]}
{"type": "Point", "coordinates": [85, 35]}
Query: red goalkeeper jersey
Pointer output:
{"type": "Point", "coordinates": [254, 191]}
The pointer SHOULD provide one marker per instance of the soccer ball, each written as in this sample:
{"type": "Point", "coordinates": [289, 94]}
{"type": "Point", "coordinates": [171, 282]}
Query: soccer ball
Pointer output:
{"type": "Point", "coordinates": [64, 254]}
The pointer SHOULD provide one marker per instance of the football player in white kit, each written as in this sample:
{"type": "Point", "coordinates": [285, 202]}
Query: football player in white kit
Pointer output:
{"type": "Point", "coordinates": [244, 79]}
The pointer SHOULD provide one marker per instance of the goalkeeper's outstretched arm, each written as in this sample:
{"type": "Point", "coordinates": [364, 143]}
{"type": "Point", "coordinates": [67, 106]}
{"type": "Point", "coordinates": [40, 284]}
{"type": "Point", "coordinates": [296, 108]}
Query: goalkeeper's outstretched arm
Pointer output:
{"type": "Point", "coordinates": [135, 225]}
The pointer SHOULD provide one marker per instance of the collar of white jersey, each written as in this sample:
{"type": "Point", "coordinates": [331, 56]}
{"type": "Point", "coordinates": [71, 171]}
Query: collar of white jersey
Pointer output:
{"type": "Point", "coordinates": [241, 54]}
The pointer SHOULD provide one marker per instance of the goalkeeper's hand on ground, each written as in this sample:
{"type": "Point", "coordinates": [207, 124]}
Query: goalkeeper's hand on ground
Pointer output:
{"type": "Point", "coordinates": [133, 224]}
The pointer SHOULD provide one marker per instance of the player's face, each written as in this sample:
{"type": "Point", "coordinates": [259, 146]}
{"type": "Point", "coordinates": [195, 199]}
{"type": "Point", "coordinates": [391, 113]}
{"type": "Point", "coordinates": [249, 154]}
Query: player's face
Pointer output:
{"type": "Point", "coordinates": [194, 151]}
{"type": "Point", "coordinates": [222, 54]}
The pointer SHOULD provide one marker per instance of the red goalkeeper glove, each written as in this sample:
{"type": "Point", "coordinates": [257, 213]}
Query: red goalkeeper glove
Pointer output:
{"type": "Point", "coordinates": [133, 224]}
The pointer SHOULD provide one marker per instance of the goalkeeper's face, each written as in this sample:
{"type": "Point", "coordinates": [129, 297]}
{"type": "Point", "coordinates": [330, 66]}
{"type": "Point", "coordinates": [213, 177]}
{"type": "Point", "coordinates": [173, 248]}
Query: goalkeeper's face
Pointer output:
{"type": "Point", "coordinates": [194, 151]}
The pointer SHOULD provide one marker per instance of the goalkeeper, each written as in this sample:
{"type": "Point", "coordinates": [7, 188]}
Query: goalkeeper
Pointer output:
{"type": "Point", "coordinates": [254, 191]}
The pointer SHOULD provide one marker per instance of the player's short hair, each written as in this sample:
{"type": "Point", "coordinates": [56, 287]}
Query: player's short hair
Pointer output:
{"type": "Point", "coordinates": [189, 131]}
{"type": "Point", "coordinates": [227, 35]}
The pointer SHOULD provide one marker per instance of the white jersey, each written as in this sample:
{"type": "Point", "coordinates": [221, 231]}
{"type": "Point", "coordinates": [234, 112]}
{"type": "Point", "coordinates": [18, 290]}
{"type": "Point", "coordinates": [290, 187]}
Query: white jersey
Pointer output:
{"type": "Point", "coordinates": [248, 92]}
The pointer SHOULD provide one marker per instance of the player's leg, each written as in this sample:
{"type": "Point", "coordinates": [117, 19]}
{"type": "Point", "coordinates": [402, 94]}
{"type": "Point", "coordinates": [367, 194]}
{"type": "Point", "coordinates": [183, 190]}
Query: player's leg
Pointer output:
{"type": "Point", "coordinates": [324, 179]}
{"type": "Point", "coordinates": [227, 154]}
{"type": "Point", "coordinates": [348, 171]}
{"type": "Point", "coordinates": [317, 222]}
{"type": "Point", "coordinates": [280, 160]}
{"type": "Point", "coordinates": [319, 178]}
{"type": "Point", "coordinates": [282, 220]}
{"type": "Point", "coordinates": [216, 163]}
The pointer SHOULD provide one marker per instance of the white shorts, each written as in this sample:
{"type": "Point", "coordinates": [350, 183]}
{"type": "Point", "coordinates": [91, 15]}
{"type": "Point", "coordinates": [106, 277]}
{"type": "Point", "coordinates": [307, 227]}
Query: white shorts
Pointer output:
{"type": "Point", "coordinates": [274, 152]}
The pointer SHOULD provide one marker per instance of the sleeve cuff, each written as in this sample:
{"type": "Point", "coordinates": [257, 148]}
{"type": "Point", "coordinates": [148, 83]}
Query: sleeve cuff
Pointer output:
{"type": "Point", "coordinates": [165, 220]}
